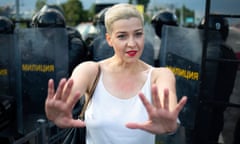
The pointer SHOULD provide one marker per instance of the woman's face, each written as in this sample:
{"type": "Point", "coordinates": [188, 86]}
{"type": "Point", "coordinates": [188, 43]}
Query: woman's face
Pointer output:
{"type": "Point", "coordinates": [127, 38]}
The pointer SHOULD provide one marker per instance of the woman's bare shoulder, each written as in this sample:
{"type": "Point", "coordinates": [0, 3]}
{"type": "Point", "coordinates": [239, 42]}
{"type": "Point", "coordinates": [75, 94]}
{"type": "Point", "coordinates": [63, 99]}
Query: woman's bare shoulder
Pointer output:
{"type": "Point", "coordinates": [87, 68]}
{"type": "Point", "coordinates": [84, 75]}
{"type": "Point", "coordinates": [162, 72]}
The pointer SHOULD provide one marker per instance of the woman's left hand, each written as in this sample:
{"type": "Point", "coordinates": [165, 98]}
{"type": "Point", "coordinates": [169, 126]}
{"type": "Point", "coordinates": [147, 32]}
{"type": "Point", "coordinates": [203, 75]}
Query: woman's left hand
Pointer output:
{"type": "Point", "coordinates": [161, 118]}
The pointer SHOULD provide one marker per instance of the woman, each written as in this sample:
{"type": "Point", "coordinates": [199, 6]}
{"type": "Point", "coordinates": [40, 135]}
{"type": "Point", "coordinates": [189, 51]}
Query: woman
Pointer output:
{"type": "Point", "coordinates": [132, 101]}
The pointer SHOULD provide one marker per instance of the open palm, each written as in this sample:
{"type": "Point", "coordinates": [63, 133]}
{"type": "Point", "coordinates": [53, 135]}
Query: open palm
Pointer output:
{"type": "Point", "coordinates": [59, 105]}
{"type": "Point", "coordinates": [161, 118]}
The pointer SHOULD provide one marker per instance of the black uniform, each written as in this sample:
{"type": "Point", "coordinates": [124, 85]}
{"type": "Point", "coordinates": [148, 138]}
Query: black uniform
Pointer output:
{"type": "Point", "coordinates": [219, 83]}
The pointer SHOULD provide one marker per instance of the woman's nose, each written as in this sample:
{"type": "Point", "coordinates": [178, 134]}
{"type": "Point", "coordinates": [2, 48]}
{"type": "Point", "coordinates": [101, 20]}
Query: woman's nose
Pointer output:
{"type": "Point", "coordinates": [131, 42]}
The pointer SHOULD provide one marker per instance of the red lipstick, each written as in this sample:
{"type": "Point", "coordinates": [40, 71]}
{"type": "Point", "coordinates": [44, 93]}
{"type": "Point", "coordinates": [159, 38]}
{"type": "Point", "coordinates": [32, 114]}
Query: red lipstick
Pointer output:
{"type": "Point", "coordinates": [132, 53]}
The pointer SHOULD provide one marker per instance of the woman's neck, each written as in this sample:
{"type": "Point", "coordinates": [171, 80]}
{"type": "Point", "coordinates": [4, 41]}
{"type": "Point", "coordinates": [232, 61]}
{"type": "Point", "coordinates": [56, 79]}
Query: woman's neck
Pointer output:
{"type": "Point", "coordinates": [127, 67]}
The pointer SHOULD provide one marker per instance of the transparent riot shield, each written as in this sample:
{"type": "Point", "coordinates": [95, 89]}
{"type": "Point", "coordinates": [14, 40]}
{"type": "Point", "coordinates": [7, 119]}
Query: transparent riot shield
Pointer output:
{"type": "Point", "coordinates": [42, 54]}
{"type": "Point", "coordinates": [152, 45]}
{"type": "Point", "coordinates": [6, 63]}
{"type": "Point", "coordinates": [100, 48]}
{"type": "Point", "coordinates": [231, 129]}
{"type": "Point", "coordinates": [181, 51]}
{"type": "Point", "coordinates": [7, 84]}
{"type": "Point", "coordinates": [148, 53]}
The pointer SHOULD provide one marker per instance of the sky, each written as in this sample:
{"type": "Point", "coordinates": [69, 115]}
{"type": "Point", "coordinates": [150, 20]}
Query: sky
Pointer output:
{"type": "Point", "coordinates": [30, 4]}
{"type": "Point", "coordinates": [224, 6]}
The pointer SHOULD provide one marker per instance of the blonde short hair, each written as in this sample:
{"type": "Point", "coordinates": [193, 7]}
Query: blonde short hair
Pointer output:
{"type": "Point", "coordinates": [121, 11]}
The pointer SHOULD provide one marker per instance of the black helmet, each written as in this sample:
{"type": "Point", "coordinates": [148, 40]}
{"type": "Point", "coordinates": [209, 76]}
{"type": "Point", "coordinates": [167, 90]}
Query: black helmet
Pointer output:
{"type": "Point", "coordinates": [56, 7]}
{"type": "Point", "coordinates": [48, 17]}
{"type": "Point", "coordinates": [99, 17]}
{"type": "Point", "coordinates": [6, 25]}
{"type": "Point", "coordinates": [163, 18]}
{"type": "Point", "coordinates": [216, 23]}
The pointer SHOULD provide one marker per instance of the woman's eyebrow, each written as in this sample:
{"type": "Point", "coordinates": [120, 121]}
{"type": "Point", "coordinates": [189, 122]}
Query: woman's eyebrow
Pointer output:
{"type": "Point", "coordinates": [122, 32]}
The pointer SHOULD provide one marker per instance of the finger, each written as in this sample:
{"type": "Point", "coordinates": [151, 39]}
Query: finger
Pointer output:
{"type": "Point", "coordinates": [181, 104]}
{"type": "Point", "coordinates": [166, 99]}
{"type": "Point", "coordinates": [145, 102]}
{"type": "Point", "coordinates": [72, 101]}
{"type": "Point", "coordinates": [156, 99]}
{"type": "Point", "coordinates": [60, 89]}
{"type": "Point", "coordinates": [134, 126]}
{"type": "Point", "coordinates": [70, 123]}
{"type": "Point", "coordinates": [50, 89]}
{"type": "Point", "coordinates": [77, 123]}
{"type": "Point", "coordinates": [142, 126]}
{"type": "Point", "coordinates": [67, 90]}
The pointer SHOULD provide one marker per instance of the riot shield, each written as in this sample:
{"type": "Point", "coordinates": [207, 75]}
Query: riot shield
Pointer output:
{"type": "Point", "coordinates": [42, 54]}
{"type": "Point", "coordinates": [6, 63]}
{"type": "Point", "coordinates": [148, 53]}
{"type": "Point", "coordinates": [7, 84]}
{"type": "Point", "coordinates": [100, 48]}
{"type": "Point", "coordinates": [181, 51]}
{"type": "Point", "coordinates": [78, 50]}
{"type": "Point", "coordinates": [231, 129]}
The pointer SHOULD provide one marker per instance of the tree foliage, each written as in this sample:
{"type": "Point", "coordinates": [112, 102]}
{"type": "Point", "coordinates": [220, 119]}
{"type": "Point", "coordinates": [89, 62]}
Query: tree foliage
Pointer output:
{"type": "Point", "coordinates": [186, 13]}
{"type": "Point", "coordinates": [6, 11]}
{"type": "Point", "coordinates": [74, 12]}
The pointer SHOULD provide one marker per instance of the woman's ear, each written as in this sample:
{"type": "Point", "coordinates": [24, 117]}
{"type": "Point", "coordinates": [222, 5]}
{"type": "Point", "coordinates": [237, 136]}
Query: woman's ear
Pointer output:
{"type": "Point", "coordinates": [108, 38]}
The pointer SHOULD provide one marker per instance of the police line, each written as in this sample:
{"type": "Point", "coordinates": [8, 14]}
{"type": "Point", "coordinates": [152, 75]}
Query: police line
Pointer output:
{"type": "Point", "coordinates": [28, 59]}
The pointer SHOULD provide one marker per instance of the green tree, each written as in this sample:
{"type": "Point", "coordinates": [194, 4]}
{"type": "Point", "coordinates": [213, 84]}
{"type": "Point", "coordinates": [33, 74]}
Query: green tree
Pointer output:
{"type": "Point", "coordinates": [91, 12]}
{"type": "Point", "coordinates": [74, 12]}
{"type": "Point", "coordinates": [39, 4]}
{"type": "Point", "coordinates": [187, 13]}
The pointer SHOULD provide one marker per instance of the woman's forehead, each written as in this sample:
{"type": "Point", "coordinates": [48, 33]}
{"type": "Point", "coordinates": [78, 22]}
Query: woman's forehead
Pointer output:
{"type": "Point", "coordinates": [124, 25]}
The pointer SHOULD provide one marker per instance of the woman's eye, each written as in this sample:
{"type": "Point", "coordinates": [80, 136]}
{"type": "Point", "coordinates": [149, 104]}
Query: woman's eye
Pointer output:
{"type": "Point", "coordinates": [138, 34]}
{"type": "Point", "coordinates": [121, 36]}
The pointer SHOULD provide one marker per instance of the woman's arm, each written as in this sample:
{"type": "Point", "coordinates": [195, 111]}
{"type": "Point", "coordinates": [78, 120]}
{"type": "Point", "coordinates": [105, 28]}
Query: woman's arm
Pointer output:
{"type": "Point", "coordinates": [59, 104]}
{"type": "Point", "coordinates": [166, 83]}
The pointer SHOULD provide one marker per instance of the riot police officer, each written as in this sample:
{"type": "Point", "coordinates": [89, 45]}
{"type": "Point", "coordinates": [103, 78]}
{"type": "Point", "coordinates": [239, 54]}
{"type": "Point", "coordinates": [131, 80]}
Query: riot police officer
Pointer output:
{"type": "Point", "coordinates": [7, 101]}
{"type": "Point", "coordinates": [210, 120]}
{"type": "Point", "coordinates": [52, 17]}
{"type": "Point", "coordinates": [6, 25]}
{"type": "Point", "coordinates": [163, 17]}
{"type": "Point", "coordinates": [99, 48]}
{"type": "Point", "coordinates": [49, 17]}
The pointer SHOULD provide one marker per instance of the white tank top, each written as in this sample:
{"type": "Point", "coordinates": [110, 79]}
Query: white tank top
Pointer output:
{"type": "Point", "coordinates": [107, 115]}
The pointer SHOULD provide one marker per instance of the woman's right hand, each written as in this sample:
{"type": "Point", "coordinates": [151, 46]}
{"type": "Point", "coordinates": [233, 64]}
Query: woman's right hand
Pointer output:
{"type": "Point", "coordinates": [59, 104]}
